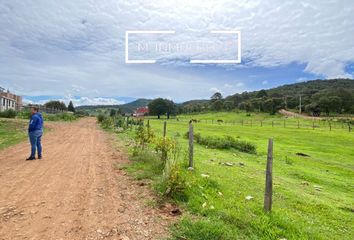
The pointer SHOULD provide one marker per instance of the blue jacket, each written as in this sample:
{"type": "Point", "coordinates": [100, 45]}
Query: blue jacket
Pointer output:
{"type": "Point", "coordinates": [36, 122]}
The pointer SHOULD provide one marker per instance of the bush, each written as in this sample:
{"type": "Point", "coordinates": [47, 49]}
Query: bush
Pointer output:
{"type": "Point", "coordinates": [81, 113]}
{"type": "Point", "coordinates": [225, 143]}
{"type": "Point", "coordinates": [107, 123]}
{"type": "Point", "coordinates": [174, 181]}
{"type": "Point", "coordinates": [59, 117]}
{"type": "Point", "coordinates": [101, 118]}
{"type": "Point", "coordinates": [24, 114]}
{"type": "Point", "coordinates": [143, 136]}
{"type": "Point", "coordinates": [165, 145]}
{"type": "Point", "coordinates": [10, 113]}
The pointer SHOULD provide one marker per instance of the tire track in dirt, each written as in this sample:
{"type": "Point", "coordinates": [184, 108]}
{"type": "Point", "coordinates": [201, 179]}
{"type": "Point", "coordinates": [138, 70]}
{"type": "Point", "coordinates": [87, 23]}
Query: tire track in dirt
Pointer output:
{"type": "Point", "coordinates": [74, 192]}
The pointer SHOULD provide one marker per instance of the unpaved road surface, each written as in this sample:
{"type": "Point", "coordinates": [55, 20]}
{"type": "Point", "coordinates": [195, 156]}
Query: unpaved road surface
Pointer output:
{"type": "Point", "coordinates": [75, 192]}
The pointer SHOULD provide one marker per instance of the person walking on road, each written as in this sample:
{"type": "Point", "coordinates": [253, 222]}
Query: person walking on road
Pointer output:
{"type": "Point", "coordinates": [35, 132]}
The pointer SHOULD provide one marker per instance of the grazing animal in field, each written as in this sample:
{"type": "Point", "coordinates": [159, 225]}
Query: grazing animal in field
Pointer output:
{"type": "Point", "coordinates": [193, 121]}
{"type": "Point", "coordinates": [220, 121]}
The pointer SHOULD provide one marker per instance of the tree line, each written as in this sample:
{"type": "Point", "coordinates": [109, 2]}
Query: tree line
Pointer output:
{"type": "Point", "coordinates": [59, 105]}
{"type": "Point", "coordinates": [318, 97]}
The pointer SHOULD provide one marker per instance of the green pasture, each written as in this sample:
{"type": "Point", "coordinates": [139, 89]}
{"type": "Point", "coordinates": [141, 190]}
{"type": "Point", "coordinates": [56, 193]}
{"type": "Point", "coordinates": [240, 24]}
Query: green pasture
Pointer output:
{"type": "Point", "coordinates": [313, 195]}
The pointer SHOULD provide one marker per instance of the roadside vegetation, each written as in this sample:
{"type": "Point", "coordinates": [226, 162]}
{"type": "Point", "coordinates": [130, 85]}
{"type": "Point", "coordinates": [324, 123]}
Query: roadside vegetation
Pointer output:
{"type": "Point", "coordinates": [222, 197]}
{"type": "Point", "coordinates": [12, 132]}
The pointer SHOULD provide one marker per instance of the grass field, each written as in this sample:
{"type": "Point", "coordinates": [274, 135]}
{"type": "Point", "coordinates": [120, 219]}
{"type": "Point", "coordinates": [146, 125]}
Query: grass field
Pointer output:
{"type": "Point", "coordinates": [313, 197]}
{"type": "Point", "coordinates": [12, 132]}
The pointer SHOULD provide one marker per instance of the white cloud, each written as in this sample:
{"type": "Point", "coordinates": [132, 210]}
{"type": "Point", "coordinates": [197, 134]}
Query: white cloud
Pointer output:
{"type": "Point", "coordinates": [77, 47]}
{"type": "Point", "coordinates": [80, 101]}
{"type": "Point", "coordinates": [265, 82]}
{"type": "Point", "coordinates": [301, 79]}
{"type": "Point", "coordinates": [94, 101]}
{"type": "Point", "coordinates": [215, 90]}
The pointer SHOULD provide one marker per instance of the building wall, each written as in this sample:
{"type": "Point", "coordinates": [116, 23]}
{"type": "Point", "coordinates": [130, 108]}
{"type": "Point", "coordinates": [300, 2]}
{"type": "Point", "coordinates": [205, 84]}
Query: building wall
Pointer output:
{"type": "Point", "coordinates": [10, 101]}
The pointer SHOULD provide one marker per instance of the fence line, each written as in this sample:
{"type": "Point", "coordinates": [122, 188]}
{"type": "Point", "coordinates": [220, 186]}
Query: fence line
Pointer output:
{"type": "Point", "coordinates": [283, 123]}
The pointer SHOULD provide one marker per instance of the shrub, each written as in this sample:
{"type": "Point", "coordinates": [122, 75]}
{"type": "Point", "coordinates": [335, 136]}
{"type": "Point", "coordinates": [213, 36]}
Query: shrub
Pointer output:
{"type": "Point", "coordinates": [59, 117]}
{"type": "Point", "coordinates": [101, 118]}
{"type": "Point", "coordinates": [24, 114]}
{"type": "Point", "coordinates": [81, 113]}
{"type": "Point", "coordinates": [143, 136]}
{"type": "Point", "coordinates": [173, 182]}
{"type": "Point", "coordinates": [107, 123]}
{"type": "Point", "coordinates": [225, 143]}
{"type": "Point", "coordinates": [165, 145]}
{"type": "Point", "coordinates": [10, 113]}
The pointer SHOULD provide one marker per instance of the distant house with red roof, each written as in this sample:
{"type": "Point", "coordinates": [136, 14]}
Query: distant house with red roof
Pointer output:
{"type": "Point", "coordinates": [141, 111]}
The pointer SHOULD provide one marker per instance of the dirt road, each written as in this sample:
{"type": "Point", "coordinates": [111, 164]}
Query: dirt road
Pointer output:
{"type": "Point", "coordinates": [75, 192]}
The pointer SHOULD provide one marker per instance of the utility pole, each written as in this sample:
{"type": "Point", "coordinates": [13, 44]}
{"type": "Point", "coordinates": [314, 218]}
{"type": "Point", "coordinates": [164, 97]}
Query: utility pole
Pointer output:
{"type": "Point", "coordinates": [300, 104]}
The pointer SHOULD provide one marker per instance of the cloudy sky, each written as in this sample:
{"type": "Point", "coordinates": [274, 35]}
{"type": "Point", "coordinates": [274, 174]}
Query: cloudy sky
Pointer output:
{"type": "Point", "coordinates": [76, 49]}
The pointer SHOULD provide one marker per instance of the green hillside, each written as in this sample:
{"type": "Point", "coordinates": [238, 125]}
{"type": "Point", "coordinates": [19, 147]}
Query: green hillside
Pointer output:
{"type": "Point", "coordinates": [317, 97]}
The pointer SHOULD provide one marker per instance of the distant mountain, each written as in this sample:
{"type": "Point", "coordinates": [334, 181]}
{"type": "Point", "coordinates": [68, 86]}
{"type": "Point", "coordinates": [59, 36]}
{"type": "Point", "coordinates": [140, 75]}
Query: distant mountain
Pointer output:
{"type": "Point", "coordinates": [191, 102]}
{"type": "Point", "coordinates": [124, 108]}
{"type": "Point", "coordinates": [130, 107]}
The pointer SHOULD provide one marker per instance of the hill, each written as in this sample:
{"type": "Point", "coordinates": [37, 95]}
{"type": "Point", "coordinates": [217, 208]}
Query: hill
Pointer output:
{"type": "Point", "coordinates": [130, 107]}
{"type": "Point", "coordinates": [317, 96]}
{"type": "Point", "coordinates": [124, 108]}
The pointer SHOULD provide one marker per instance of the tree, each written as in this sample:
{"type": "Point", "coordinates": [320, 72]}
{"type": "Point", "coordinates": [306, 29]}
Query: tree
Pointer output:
{"type": "Point", "coordinates": [261, 93]}
{"type": "Point", "coordinates": [313, 108]}
{"type": "Point", "coordinates": [216, 96]}
{"type": "Point", "coordinates": [228, 105]}
{"type": "Point", "coordinates": [247, 106]}
{"type": "Point", "coordinates": [171, 108]}
{"type": "Point", "coordinates": [269, 106]}
{"type": "Point", "coordinates": [160, 106]}
{"type": "Point", "coordinates": [56, 105]}
{"type": "Point", "coordinates": [217, 105]}
{"type": "Point", "coordinates": [113, 112]}
{"type": "Point", "coordinates": [71, 107]}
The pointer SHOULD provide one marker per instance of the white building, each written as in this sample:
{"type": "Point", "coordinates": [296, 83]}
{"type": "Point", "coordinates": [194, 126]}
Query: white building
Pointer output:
{"type": "Point", "coordinates": [9, 100]}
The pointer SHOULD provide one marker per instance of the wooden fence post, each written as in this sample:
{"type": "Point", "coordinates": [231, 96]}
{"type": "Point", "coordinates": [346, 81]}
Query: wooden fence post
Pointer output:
{"type": "Point", "coordinates": [313, 124]}
{"type": "Point", "coordinates": [330, 126]}
{"type": "Point", "coordinates": [164, 128]}
{"type": "Point", "coordinates": [191, 142]}
{"type": "Point", "coordinates": [269, 178]}
{"type": "Point", "coordinates": [284, 123]}
{"type": "Point", "coordinates": [164, 153]}
{"type": "Point", "coordinates": [298, 124]}
{"type": "Point", "coordinates": [349, 127]}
